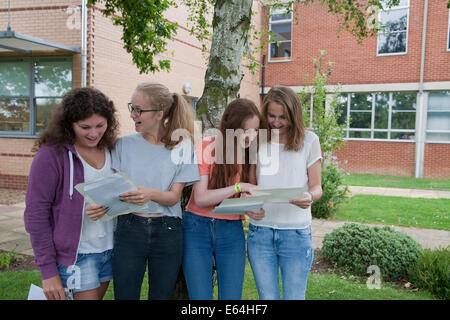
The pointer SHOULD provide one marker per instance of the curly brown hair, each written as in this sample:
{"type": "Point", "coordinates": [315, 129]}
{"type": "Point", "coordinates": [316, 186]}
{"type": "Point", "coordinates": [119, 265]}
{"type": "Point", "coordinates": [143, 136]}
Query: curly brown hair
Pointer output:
{"type": "Point", "coordinates": [79, 104]}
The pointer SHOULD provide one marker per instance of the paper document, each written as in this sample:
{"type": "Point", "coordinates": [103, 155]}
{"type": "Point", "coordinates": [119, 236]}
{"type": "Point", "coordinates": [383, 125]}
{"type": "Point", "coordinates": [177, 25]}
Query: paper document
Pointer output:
{"type": "Point", "coordinates": [242, 205]}
{"type": "Point", "coordinates": [36, 293]}
{"type": "Point", "coordinates": [106, 191]}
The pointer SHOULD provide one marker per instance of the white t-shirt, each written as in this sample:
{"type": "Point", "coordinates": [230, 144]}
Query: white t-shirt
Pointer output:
{"type": "Point", "coordinates": [96, 236]}
{"type": "Point", "coordinates": [155, 166]}
{"type": "Point", "coordinates": [278, 168]}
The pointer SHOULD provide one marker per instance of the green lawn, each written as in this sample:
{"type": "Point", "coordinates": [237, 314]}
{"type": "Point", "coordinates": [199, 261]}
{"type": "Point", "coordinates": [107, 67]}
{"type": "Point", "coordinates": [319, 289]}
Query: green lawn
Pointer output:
{"type": "Point", "coordinates": [368, 180]}
{"type": "Point", "coordinates": [15, 285]}
{"type": "Point", "coordinates": [399, 211]}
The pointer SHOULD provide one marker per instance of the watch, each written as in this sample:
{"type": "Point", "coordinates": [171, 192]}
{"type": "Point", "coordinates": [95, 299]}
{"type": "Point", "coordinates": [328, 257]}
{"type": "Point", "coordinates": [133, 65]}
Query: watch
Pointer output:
{"type": "Point", "coordinates": [312, 196]}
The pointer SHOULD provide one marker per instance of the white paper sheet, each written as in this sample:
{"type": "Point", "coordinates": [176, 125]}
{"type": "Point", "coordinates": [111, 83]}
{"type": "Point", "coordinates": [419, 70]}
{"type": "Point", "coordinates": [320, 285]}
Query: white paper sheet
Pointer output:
{"type": "Point", "coordinates": [242, 205]}
{"type": "Point", "coordinates": [36, 293]}
{"type": "Point", "coordinates": [106, 191]}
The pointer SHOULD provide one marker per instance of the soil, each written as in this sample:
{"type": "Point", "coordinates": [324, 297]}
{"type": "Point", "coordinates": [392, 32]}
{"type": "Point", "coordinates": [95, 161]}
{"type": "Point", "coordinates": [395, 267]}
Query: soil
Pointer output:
{"type": "Point", "coordinates": [20, 262]}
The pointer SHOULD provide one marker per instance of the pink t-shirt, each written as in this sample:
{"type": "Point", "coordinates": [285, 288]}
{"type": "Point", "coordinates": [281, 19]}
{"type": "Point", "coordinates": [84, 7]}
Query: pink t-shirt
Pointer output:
{"type": "Point", "coordinates": [204, 150]}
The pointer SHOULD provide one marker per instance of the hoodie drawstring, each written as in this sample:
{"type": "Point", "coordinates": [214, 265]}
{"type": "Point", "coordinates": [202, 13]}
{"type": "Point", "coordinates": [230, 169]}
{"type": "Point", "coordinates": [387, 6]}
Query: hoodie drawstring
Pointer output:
{"type": "Point", "coordinates": [71, 174]}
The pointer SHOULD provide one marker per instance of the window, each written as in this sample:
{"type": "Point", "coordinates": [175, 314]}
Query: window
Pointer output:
{"type": "Point", "coordinates": [383, 115]}
{"type": "Point", "coordinates": [438, 117]}
{"type": "Point", "coordinates": [280, 25]}
{"type": "Point", "coordinates": [448, 34]}
{"type": "Point", "coordinates": [393, 38]}
{"type": "Point", "coordinates": [29, 89]}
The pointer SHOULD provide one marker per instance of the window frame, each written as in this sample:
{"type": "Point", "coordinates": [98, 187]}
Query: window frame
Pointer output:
{"type": "Point", "coordinates": [32, 133]}
{"type": "Point", "coordinates": [407, 30]}
{"type": "Point", "coordinates": [389, 130]}
{"type": "Point", "coordinates": [448, 32]}
{"type": "Point", "coordinates": [431, 130]}
{"type": "Point", "coordinates": [280, 59]}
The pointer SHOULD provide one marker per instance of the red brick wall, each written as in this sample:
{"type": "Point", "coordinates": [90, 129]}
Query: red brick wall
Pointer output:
{"type": "Point", "coordinates": [378, 157]}
{"type": "Point", "coordinates": [358, 63]}
{"type": "Point", "coordinates": [16, 182]}
{"type": "Point", "coordinates": [437, 161]}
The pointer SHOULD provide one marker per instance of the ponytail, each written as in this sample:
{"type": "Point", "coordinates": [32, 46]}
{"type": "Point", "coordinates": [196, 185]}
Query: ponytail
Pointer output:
{"type": "Point", "coordinates": [178, 116]}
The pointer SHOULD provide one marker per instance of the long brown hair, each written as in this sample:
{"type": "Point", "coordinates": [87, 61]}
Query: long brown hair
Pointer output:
{"type": "Point", "coordinates": [79, 104]}
{"type": "Point", "coordinates": [178, 114]}
{"type": "Point", "coordinates": [293, 110]}
{"type": "Point", "coordinates": [234, 116]}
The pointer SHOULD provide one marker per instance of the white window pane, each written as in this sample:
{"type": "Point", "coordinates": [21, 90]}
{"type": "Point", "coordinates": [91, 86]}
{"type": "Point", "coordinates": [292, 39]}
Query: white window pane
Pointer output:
{"type": "Point", "coordinates": [14, 114]}
{"type": "Point", "coordinates": [438, 121]}
{"type": "Point", "coordinates": [392, 43]}
{"type": "Point", "coordinates": [394, 20]}
{"type": "Point", "coordinates": [44, 109]}
{"type": "Point", "coordinates": [403, 3]}
{"type": "Point", "coordinates": [281, 31]}
{"type": "Point", "coordinates": [282, 50]}
{"type": "Point", "coordinates": [14, 78]}
{"type": "Point", "coordinates": [360, 120]}
{"type": "Point", "coordinates": [360, 101]}
{"type": "Point", "coordinates": [439, 101]}
{"type": "Point", "coordinates": [381, 111]}
{"type": "Point", "coordinates": [53, 78]}
{"type": "Point", "coordinates": [438, 136]}
{"type": "Point", "coordinates": [404, 101]}
{"type": "Point", "coordinates": [402, 135]}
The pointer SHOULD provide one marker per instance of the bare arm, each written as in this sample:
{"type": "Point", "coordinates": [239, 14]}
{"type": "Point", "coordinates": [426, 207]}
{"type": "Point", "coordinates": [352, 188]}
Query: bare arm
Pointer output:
{"type": "Point", "coordinates": [143, 194]}
{"type": "Point", "coordinates": [314, 186]}
{"type": "Point", "coordinates": [205, 197]}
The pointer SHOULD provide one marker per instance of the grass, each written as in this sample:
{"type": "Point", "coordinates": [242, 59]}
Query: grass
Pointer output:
{"type": "Point", "coordinates": [399, 211]}
{"type": "Point", "coordinates": [368, 180]}
{"type": "Point", "coordinates": [15, 285]}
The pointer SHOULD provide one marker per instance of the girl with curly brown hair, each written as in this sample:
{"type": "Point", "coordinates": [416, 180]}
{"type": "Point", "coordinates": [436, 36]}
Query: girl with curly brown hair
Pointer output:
{"type": "Point", "coordinates": [72, 248]}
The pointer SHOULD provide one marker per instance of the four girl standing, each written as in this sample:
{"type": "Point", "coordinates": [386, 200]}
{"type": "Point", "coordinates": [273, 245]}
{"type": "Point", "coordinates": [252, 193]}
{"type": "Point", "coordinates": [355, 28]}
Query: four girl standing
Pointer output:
{"type": "Point", "coordinates": [155, 238]}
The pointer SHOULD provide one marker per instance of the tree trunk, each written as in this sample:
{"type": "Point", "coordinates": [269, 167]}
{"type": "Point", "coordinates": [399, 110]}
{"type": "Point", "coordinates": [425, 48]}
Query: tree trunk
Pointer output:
{"type": "Point", "coordinates": [231, 24]}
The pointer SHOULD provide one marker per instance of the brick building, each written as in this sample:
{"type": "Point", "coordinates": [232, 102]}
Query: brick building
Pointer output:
{"type": "Point", "coordinates": [48, 55]}
{"type": "Point", "coordinates": [395, 88]}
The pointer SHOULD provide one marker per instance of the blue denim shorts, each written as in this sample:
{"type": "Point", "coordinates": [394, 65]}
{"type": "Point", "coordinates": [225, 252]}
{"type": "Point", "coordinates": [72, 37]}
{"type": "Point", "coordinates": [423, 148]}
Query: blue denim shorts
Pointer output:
{"type": "Point", "coordinates": [88, 272]}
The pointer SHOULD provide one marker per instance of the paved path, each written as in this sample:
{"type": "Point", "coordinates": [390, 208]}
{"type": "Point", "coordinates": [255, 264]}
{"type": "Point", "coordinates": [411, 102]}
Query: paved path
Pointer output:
{"type": "Point", "coordinates": [14, 237]}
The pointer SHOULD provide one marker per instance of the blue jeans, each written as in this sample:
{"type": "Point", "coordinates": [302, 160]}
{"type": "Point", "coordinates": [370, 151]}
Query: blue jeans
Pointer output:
{"type": "Point", "coordinates": [291, 251]}
{"type": "Point", "coordinates": [90, 270]}
{"type": "Point", "coordinates": [138, 242]}
{"type": "Point", "coordinates": [208, 238]}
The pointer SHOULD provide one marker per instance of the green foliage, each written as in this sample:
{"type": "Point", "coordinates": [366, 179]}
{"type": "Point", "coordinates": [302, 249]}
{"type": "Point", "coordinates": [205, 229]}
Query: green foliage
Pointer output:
{"type": "Point", "coordinates": [356, 247]}
{"type": "Point", "coordinates": [331, 136]}
{"type": "Point", "coordinates": [432, 272]}
{"type": "Point", "coordinates": [7, 258]}
{"type": "Point", "coordinates": [145, 29]}
{"type": "Point", "coordinates": [333, 192]}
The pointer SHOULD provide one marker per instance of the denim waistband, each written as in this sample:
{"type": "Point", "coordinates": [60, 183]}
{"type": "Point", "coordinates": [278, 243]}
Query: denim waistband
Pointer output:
{"type": "Point", "coordinates": [147, 220]}
{"type": "Point", "coordinates": [204, 219]}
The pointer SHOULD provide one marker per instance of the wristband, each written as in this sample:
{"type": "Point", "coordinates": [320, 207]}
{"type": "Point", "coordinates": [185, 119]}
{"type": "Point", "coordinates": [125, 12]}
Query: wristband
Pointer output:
{"type": "Point", "coordinates": [312, 197]}
{"type": "Point", "coordinates": [237, 187]}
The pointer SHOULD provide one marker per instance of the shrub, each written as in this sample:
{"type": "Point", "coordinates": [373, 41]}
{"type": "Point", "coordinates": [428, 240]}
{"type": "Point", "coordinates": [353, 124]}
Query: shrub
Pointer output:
{"type": "Point", "coordinates": [355, 247]}
{"type": "Point", "coordinates": [432, 272]}
{"type": "Point", "coordinates": [333, 192]}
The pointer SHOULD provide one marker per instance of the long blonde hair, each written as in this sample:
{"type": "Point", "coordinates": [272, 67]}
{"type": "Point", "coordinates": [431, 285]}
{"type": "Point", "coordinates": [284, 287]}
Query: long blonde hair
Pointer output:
{"type": "Point", "coordinates": [293, 110]}
{"type": "Point", "coordinates": [178, 114]}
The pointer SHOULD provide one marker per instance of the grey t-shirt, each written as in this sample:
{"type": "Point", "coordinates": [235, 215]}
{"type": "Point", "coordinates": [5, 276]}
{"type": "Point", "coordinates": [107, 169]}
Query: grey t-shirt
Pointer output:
{"type": "Point", "coordinates": [154, 166]}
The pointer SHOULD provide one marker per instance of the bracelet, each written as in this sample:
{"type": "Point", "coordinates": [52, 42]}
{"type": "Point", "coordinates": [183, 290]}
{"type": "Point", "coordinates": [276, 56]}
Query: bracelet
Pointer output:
{"type": "Point", "coordinates": [237, 187]}
{"type": "Point", "coordinates": [312, 196]}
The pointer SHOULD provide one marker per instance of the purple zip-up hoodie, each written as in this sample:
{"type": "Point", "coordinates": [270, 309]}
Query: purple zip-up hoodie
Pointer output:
{"type": "Point", "coordinates": [53, 213]}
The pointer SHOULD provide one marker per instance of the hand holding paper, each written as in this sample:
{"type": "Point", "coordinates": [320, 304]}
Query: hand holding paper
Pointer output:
{"type": "Point", "coordinates": [106, 192]}
{"type": "Point", "coordinates": [242, 205]}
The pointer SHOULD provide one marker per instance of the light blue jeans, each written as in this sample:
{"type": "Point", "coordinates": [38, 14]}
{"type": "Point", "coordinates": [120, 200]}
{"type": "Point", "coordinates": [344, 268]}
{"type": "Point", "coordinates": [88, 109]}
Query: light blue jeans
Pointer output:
{"type": "Point", "coordinates": [271, 250]}
{"type": "Point", "coordinates": [208, 238]}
